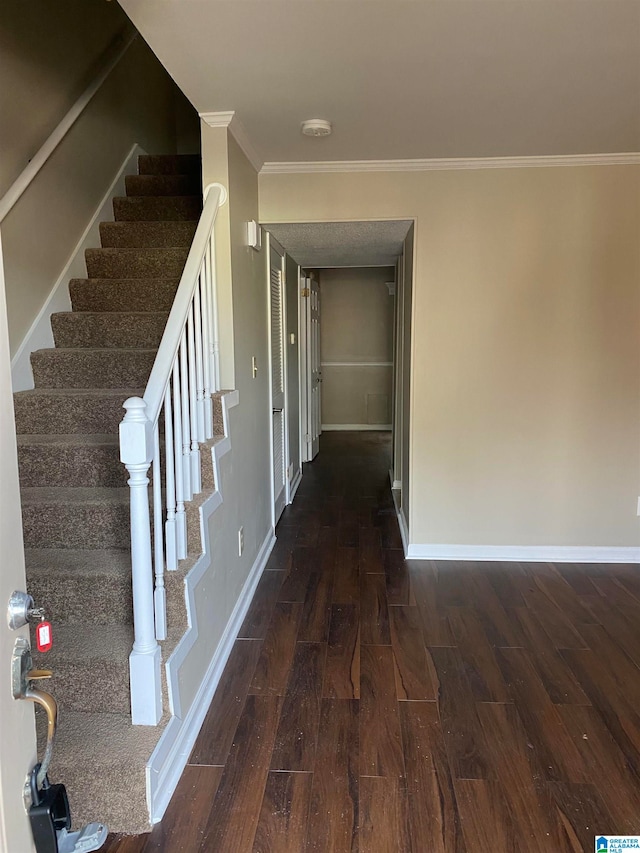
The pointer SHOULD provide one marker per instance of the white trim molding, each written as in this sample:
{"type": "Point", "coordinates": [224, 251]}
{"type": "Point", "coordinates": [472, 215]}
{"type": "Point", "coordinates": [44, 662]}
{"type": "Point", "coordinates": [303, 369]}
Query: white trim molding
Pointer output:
{"type": "Point", "coordinates": [525, 553]}
{"type": "Point", "coordinates": [356, 427]}
{"type": "Point", "coordinates": [293, 488]}
{"type": "Point", "coordinates": [356, 364]}
{"type": "Point", "coordinates": [230, 120]}
{"type": "Point", "coordinates": [402, 519]}
{"type": "Point", "coordinates": [40, 335]}
{"type": "Point", "coordinates": [450, 164]}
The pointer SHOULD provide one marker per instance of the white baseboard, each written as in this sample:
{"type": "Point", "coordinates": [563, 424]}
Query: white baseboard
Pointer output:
{"type": "Point", "coordinates": [356, 427]}
{"type": "Point", "coordinates": [402, 523]}
{"type": "Point", "coordinates": [174, 747]}
{"type": "Point", "coordinates": [293, 488]}
{"type": "Point", "coordinates": [40, 335]}
{"type": "Point", "coordinates": [524, 553]}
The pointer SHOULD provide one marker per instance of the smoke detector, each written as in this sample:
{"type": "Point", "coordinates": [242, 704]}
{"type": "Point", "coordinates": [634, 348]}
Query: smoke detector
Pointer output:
{"type": "Point", "coordinates": [316, 127]}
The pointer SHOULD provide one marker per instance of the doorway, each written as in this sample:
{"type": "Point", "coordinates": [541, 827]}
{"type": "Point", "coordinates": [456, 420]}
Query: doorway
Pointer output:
{"type": "Point", "coordinates": [320, 249]}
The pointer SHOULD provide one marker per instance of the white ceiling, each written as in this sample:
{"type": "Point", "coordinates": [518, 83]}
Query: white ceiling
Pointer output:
{"type": "Point", "coordinates": [405, 79]}
{"type": "Point", "coordinates": [342, 244]}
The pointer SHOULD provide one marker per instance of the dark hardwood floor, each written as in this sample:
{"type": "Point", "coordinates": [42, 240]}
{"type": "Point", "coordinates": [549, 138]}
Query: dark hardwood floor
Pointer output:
{"type": "Point", "coordinates": [375, 704]}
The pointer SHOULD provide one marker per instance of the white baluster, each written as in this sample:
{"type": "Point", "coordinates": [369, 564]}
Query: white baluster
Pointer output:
{"type": "Point", "coordinates": [215, 354]}
{"type": "Point", "coordinates": [186, 426]}
{"type": "Point", "coordinates": [159, 594]}
{"type": "Point", "coordinates": [204, 296]}
{"type": "Point", "coordinates": [181, 518]}
{"type": "Point", "coordinates": [136, 451]}
{"type": "Point", "coordinates": [197, 326]}
{"type": "Point", "coordinates": [169, 452]}
{"type": "Point", "coordinates": [196, 485]}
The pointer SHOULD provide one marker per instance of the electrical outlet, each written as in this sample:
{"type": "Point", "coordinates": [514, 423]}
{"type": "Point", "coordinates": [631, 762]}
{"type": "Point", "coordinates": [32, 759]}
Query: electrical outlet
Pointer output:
{"type": "Point", "coordinates": [254, 366]}
{"type": "Point", "coordinates": [240, 541]}
{"type": "Point", "coordinates": [638, 510]}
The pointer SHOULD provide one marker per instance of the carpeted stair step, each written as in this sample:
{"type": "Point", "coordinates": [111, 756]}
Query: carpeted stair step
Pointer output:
{"type": "Point", "coordinates": [152, 208]}
{"type": "Point", "coordinates": [125, 294]}
{"type": "Point", "coordinates": [61, 517]}
{"type": "Point", "coordinates": [159, 185]}
{"type": "Point", "coordinates": [92, 368]}
{"type": "Point", "coordinates": [100, 581]}
{"type": "Point", "coordinates": [99, 576]}
{"type": "Point", "coordinates": [125, 235]}
{"type": "Point", "coordinates": [70, 460]}
{"type": "Point", "coordinates": [108, 329]}
{"type": "Point", "coordinates": [169, 164]}
{"type": "Point", "coordinates": [101, 758]}
{"type": "Point", "coordinates": [59, 411]}
{"type": "Point", "coordinates": [90, 665]}
{"type": "Point", "coordinates": [135, 263]}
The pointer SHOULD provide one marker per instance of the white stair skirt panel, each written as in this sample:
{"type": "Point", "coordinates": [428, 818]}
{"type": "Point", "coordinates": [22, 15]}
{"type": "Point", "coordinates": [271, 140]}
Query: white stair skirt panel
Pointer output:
{"type": "Point", "coordinates": [170, 756]}
{"type": "Point", "coordinates": [174, 747]}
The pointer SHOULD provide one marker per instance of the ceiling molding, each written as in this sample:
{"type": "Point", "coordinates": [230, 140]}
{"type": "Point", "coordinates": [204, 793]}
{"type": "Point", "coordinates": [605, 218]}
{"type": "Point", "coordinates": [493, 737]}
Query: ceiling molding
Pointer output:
{"type": "Point", "coordinates": [435, 165]}
{"type": "Point", "coordinates": [231, 121]}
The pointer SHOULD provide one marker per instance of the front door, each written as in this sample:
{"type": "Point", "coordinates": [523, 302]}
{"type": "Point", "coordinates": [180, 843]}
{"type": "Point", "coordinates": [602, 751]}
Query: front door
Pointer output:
{"type": "Point", "coordinates": [18, 741]}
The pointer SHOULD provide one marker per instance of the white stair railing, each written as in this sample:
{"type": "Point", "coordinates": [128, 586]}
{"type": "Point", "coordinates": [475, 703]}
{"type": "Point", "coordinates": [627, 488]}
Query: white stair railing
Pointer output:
{"type": "Point", "coordinates": [177, 400]}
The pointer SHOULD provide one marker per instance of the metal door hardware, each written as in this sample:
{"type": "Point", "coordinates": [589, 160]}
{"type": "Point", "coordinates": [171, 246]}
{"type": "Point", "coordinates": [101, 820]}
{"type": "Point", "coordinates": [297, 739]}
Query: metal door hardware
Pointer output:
{"type": "Point", "coordinates": [21, 609]}
{"type": "Point", "coordinates": [22, 674]}
{"type": "Point", "coordinates": [47, 805]}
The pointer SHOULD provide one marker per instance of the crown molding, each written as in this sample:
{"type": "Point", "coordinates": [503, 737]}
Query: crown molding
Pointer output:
{"type": "Point", "coordinates": [231, 121]}
{"type": "Point", "coordinates": [451, 164]}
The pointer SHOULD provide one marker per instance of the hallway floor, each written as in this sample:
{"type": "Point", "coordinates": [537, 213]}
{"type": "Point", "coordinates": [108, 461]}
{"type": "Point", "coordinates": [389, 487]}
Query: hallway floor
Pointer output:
{"type": "Point", "coordinates": [380, 705]}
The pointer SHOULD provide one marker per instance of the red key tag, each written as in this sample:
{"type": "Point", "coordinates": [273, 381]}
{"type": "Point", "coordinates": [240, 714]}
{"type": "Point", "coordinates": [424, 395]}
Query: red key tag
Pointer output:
{"type": "Point", "coordinates": [44, 637]}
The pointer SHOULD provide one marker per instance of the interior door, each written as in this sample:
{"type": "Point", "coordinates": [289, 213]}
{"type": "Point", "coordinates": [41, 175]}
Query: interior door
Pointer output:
{"type": "Point", "coordinates": [278, 387]}
{"type": "Point", "coordinates": [313, 382]}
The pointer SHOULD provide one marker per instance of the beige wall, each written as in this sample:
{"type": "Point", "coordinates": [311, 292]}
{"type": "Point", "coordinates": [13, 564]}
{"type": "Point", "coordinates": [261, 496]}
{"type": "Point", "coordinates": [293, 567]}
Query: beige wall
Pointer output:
{"type": "Point", "coordinates": [47, 53]}
{"type": "Point", "coordinates": [356, 343]}
{"type": "Point", "coordinates": [525, 387]}
{"type": "Point", "coordinates": [245, 476]}
{"type": "Point", "coordinates": [135, 105]}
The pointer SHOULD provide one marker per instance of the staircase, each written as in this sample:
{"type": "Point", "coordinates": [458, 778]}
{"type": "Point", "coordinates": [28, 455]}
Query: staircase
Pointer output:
{"type": "Point", "coordinates": [75, 499]}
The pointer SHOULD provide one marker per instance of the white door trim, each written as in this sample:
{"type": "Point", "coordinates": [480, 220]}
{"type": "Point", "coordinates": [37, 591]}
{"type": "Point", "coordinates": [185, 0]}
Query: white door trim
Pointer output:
{"type": "Point", "coordinates": [277, 506]}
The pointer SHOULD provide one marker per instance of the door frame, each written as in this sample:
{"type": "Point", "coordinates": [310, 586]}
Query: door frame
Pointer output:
{"type": "Point", "coordinates": [272, 243]}
{"type": "Point", "coordinates": [306, 422]}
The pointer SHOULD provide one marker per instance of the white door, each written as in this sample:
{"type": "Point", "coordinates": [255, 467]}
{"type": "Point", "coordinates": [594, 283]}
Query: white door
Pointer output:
{"type": "Point", "coordinates": [278, 372]}
{"type": "Point", "coordinates": [18, 741]}
{"type": "Point", "coordinates": [312, 383]}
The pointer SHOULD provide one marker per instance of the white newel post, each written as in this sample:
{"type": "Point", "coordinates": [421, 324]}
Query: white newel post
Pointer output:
{"type": "Point", "coordinates": [136, 452]}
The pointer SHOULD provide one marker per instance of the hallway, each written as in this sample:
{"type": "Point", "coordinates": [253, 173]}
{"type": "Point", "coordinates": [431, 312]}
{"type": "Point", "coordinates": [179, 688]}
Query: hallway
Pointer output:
{"type": "Point", "coordinates": [380, 705]}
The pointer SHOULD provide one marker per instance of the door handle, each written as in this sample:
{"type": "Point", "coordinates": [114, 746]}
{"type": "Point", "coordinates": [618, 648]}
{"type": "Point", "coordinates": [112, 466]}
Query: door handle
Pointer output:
{"type": "Point", "coordinates": [278, 410]}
